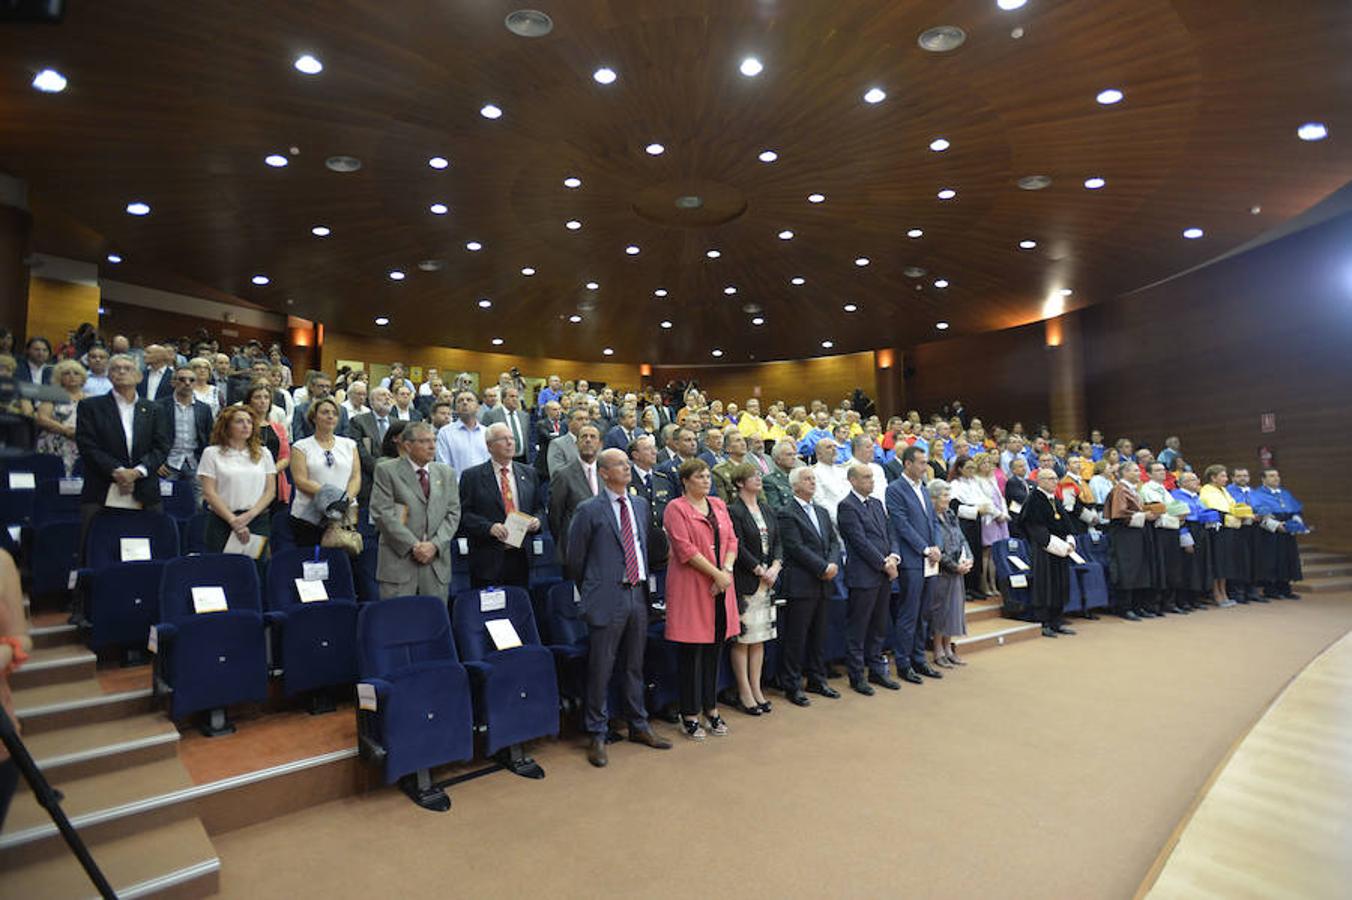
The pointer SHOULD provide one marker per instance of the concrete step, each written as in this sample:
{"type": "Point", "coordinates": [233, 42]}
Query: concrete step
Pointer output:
{"type": "Point", "coordinates": [66, 704]}
{"type": "Point", "coordinates": [96, 747]}
{"type": "Point", "coordinates": [983, 635]}
{"type": "Point", "coordinates": [58, 635]}
{"type": "Point", "coordinates": [980, 611]}
{"type": "Point", "coordinates": [1325, 569]}
{"type": "Point", "coordinates": [1323, 585]}
{"type": "Point", "coordinates": [1319, 556]}
{"type": "Point", "coordinates": [55, 665]}
{"type": "Point", "coordinates": [172, 859]}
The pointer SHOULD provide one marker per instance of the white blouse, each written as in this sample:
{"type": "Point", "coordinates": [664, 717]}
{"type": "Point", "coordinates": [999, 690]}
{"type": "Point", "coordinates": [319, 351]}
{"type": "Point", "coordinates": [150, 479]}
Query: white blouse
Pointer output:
{"type": "Point", "coordinates": [240, 481]}
{"type": "Point", "coordinates": [318, 468]}
{"type": "Point", "coordinates": [970, 495]}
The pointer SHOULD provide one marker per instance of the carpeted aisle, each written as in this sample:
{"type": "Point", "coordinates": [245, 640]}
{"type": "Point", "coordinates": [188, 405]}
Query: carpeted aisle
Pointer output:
{"type": "Point", "coordinates": [1045, 769]}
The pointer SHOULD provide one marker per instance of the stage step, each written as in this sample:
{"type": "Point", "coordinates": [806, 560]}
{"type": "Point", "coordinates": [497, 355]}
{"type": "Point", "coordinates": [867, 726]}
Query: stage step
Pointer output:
{"type": "Point", "coordinates": [83, 750]}
{"type": "Point", "coordinates": [1323, 585]}
{"type": "Point", "coordinates": [1326, 569]}
{"type": "Point", "coordinates": [994, 633]}
{"type": "Point", "coordinates": [981, 611]}
{"type": "Point", "coordinates": [52, 706]}
{"type": "Point", "coordinates": [1317, 557]}
{"type": "Point", "coordinates": [58, 635]}
{"type": "Point", "coordinates": [174, 858]}
{"type": "Point", "coordinates": [53, 665]}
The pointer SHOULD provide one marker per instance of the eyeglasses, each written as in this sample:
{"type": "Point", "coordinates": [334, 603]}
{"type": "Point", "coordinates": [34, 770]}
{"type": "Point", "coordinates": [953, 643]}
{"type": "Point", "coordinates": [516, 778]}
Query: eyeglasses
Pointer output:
{"type": "Point", "coordinates": [190, 379]}
{"type": "Point", "coordinates": [328, 458]}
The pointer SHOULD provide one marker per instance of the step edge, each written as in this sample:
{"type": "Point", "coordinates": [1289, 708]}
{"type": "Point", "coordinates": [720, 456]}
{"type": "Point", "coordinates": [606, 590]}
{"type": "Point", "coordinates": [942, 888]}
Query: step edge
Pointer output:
{"type": "Point", "coordinates": [83, 703]}
{"type": "Point", "coordinates": [171, 879]}
{"type": "Point", "coordinates": [49, 630]}
{"type": "Point", "coordinates": [61, 662]}
{"type": "Point", "coordinates": [152, 740]}
{"type": "Point", "coordinates": [1000, 632]}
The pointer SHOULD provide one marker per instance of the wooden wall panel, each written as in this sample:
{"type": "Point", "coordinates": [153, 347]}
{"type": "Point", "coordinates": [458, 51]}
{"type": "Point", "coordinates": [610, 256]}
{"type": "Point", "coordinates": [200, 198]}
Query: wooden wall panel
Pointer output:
{"type": "Point", "coordinates": [56, 308]}
{"type": "Point", "coordinates": [157, 324]}
{"type": "Point", "coordinates": [829, 378]}
{"type": "Point", "coordinates": [1000, 376]}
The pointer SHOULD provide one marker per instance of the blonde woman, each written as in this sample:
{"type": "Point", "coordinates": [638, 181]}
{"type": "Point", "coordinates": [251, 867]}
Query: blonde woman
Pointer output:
{"type": "Point", "coordinates": [204, 390]}
{"type": "Point", "coordinates": [56, 421]}
{"type": "Point", "coordinates": [995, 525]}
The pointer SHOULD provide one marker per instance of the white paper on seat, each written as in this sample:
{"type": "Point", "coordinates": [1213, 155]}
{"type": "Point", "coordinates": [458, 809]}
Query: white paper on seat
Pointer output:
{"type": "Point", "coordinates": [22, 481]}
{"type": "Point", "coordinates": [14, 532]}
{"type": "Point", "coordinates": [492, 601]}
{"type": "Point", "coordinates": [73, 580]}
{"type": "Point", "coordinates": [366, 696]}
{"type": "Point", "coordinates": [1185, 539]}
{"type": "Point", "coordinates": [1137, 520]}
{"type": "Point", "coordinates": [166, 488]}
{"type": "Point", "coordinates": [1075, 558]}
{"type": "Point", "coordinates": [1018, 581]}
{"type": "Point", "coordinates": [134, 549]}
{"type": "Point", "coordinates": [517, 526]}
{"type": "Point", "coordinates": [1015, 507]}
{"type": "Point", "coordinates": [931, 567]}
{"type": "Point", "coordinates": [209, 598]}
{"type": "Point", "coordinates": [311, 591]}
{"type": "Point", "coordinates": [1056, 546]}
{"type": "Point", "coordinates": [70, 487]}
{"type": "Point", "coordinates": [315, 571]}
{"type": "Point", "coordinates": [503, 633]}
{"type": "Point", "coordinates": [118, 500]}
{"type": "Point", "coordinates": [1018, 564]}
{"type": "Point", "coordinates": [253, 549]}
{"type": "Point", "coordinates": [1168, 521]}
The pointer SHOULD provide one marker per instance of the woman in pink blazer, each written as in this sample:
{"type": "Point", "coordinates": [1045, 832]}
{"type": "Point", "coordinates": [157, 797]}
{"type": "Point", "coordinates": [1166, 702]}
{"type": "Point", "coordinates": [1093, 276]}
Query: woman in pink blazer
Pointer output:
{"type": "Point", "coordinates": [701, 606]}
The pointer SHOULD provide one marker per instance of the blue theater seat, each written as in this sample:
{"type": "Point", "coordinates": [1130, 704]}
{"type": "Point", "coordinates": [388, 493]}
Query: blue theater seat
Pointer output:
{"type": "Point", "coordinates": [57, 499]}
{"type": "Point", "coordinates": [315, 643]}
{"type": "Point", "coordinates": [414, 709]}
{"type": "Point", "coordinates": [568, 641]}
{"type": "Point", "coordinates": [57, 554]}
{"type": "Point", "coordinates": [516, 691]}
{"type": "Point", "coordinates": [210, 660]}
{"type": "Point", "coordinates": [194, 532]}
{"type": "Point", "coordinates": [122, 599]}
{"type": "Point", "coordinates": [1018, 600]}
{"type": "Point", "coordinates": [41, 465]}
{"type": "Point", "coordinates": [281, 538]}
{"type": "Point", "coordinates": [177, 499]}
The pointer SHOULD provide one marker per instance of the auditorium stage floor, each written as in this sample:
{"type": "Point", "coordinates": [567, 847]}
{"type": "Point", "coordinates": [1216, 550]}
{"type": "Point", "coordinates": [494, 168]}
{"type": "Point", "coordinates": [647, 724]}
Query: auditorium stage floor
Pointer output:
{"type": "Point", "coordinates": [1047, 769]}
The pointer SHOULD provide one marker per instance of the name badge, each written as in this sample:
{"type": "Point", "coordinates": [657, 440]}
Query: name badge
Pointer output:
{"type": "Point", "coordinates": [315, 571]}
{"type": "Point", "coordinates": [492, 600]}
{"type": "Point", "coordinates": [166, 488]}
{"type": "Point", "coordinates": [70, 487]}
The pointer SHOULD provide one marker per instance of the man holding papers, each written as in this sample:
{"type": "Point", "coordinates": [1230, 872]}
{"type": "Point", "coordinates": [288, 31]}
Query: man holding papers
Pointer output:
{"type": "Point", "coordinates": [499, 500]}
{"type": "Point", "coordinates": [1049, 528]}
{"type": "Point", "coordinates": [415, 506]}
{"type": "Point", "coordinates": [608, 558]}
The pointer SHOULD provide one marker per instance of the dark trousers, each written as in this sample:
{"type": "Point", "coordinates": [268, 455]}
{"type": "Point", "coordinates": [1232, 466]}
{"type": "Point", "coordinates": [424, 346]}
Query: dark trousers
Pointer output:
{"type": "Point", "coordinates": [803, 642]}
{"type": "Point", "coordinates": [624, 638]}
{"type": "Point", "coordinates": [306, 535]}
{"type": "Point", "coordinates": [9, 780]}
{"type": "Point", "coordinates": [867, 622]}
{"type": "Point", "coordinates": [697, 668]}
{"type": "Point", "coordinates": [908, 628]}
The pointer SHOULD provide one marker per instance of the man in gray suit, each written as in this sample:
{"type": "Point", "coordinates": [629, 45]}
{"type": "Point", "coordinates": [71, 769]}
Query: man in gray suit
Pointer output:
{"type": "Point", "coordinates": [510, 413]}
{"type": "Point", "coordinates": [563, 449]}
{"type": "Point", "coordinates": [415, 505]}
{"type": "Point", "coordinates": [607, 554]}
{"type": "Point", "coordinates": [570, 485]}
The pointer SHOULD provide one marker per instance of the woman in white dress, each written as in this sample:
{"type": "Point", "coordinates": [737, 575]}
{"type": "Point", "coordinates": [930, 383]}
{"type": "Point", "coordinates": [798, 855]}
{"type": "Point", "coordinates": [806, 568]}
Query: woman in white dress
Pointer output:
{"type": "Point", "coordinates": [324, 459]}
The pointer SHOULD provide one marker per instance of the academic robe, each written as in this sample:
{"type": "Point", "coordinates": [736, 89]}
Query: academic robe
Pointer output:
{"type": "Point", "coordinates": [1042, 519]}
{"type": "Point", "coordinates": [1276, 555]}
{"type": "Point", "coordinates": [1132, 550]}
{"type": "Point", "coordinates": [1201, 523]}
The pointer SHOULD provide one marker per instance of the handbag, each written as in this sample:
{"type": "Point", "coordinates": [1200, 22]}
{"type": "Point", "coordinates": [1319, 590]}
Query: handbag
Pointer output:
{"type": "Point", "coordinates": [343, 537]}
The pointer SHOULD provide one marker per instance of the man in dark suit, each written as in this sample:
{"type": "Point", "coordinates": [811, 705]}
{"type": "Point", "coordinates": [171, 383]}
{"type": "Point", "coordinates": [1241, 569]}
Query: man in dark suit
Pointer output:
{"type": "Point", "coordinates": [623, 434]}
{"type": "Point", "coordinates": [488, 493]}
{"type": "Point", "coordinates": [157, 381]}
{"type": "Point", "coordinates": [656, 488]}
{"type": "Point", "coordinates": [684, 448]}
{"type": "Point", "coordinates": [1017, 489]}
{"type": "Point", "coordinates": [610, 411]}
{"type": "Point", "coordinates": [36, 365]}
{"type": "Point", "coordinates": [1049, 530]}
{"type": "Point", "coordinates": [910, 514]}
{"type": "Point", "coordinates": [893, 467]}
{"type": "Point", "coordinates": [666, 442]}
{"type": "Point", "coordinates": [570, 485]}
{"type": "Point", "coordinates": [713, 447]}
{"type": "Point", "coordinates": [189, 423]}
{"type": "Point", "coordinates": [368, 430]}
{"type": "Point", "coordinates": [811, 548]}
{"type": "Point", "coordinates": [123, 442]}
{"type": "Point", "coordinates": [607, 556]}
{"type": "Point", "coordinates": [549, 427]}
{"type": "Point", "coordinates": [871, 560]}
{"type": "Point", "coordinates": [510, 413]}
{"type": "Point", "coordinates": [317, 386]}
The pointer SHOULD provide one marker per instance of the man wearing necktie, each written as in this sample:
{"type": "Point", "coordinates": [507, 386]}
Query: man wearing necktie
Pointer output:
{"type": "Point", "coordinates": [368, 430]}
{"type": "Point", "coordinates": [871, 563]}
{"type": "Point", "coordinates": [415, 507]}
{"type": "Point", "coordinates": [811, 551]}
{"type": "Point", "coordinates": [510, 413]}
{"type": "Point", "coordinates": [607, 554]}
{"type": "Point", "coordinates": [570, 485]}
{"type": "Point", "coordinates": [489, 493]}
{"type": "Point", "coordinates": [623, 434]}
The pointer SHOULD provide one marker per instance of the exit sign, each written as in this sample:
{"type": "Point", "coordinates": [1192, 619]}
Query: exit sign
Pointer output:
{"type": "Point", "coordinates": [1267, 422]}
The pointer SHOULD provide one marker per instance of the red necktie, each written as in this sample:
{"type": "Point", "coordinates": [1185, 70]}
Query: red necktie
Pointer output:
{"type": "Point", "coordinates": [422, 481]}
{"type": "Point", "coordinates": [627, 538]}
{"type": "Point", "coordinates": [508, 505]}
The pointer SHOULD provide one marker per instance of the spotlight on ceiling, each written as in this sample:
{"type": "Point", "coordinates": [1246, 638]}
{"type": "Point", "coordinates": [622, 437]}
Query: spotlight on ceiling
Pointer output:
{"type": "Point", "coordinates": [942, 326]}
{"type": "Point", "coordinates": [396, 275]}
{"type": "Point", "coordinates": [875, 95]}
{"type": "Point", "coordinates": [1193, 234]}
{"type": "Point", "coordinates": [1027, 245]}
{"type": "Point", "coordinates": [1109, 96]}
{"type": "Point", "coordinates": [850, 307]}
{"type": "Point", "coordinates": [1010, 4]}
{"type": "Point", "coordinates": [665, 323]}
{"type": "Point", "coordinates": [609, 351]}
{"type": "Point", "coordinates": [827, 345]}
{"type": "Point", "coordinates": [715, 352]}
{"type": "Point", "coordinates": [260, 280]}
{"type": "Point", "coordinates": [485, 303]}
{"type": "Point", "coordinates": [798, 281]}
{"type": "Point", "coordinates": [114, 258]}
{"type": "Point", "coordinates": [308, 65]}
{"type": "Point", "coordinates": [439, 209]}
{"type": "Point", "coordinates": [1094, 184]}
{"type": "Point", "coordinates": [751, 67]}
{"type": "Point", "coordinates": [604, 75]}
{"type": "Point", "coordinates": [730, 290]}
{"type": "Point", "coordinates": [713, 254]}
{"type": "Point", "coordinates": [758, 321]}
{"type": "Point", "coordinates": [490, 111]}
{"type": "Point", "coordinates": [276, 160]}
{"type": "Point", "coordinates": [572, 182]}
{"type": "Point", "coordinates": [473, 246]}
{"type": "Point", "coordinates": [382, 320]}
{"type": "Point", "coordinates": [939, 145]}
{"type": "Point", "coordinates": [497, 342]}
{"type": "Point", "coordinates": [49, 81]}
{"type": "Point", "coordinates": [655, 149]}
{"type": "Point", "coordinates": [1312, 131]}
{"type": "Point", "coordinates": [660, 292]}
{"type": "Point", "coordinates": [138, 208]}
{"type": "Point", "coordinates": [915, 233]}
{"type": "Point", "coordinates": [321, 231]}
{"type": "Point", "coordinates": [592, 286]}
{"type": "Point", "coordinates": [768, 156]}
{"type": "Point", "coordinates": [632, 250]}
{"type": "Point", "coordinates": [438, 162]}
{"type": "Point", "coordinates": [947, 194]}
{"type": "Point", "coordinates": [528, 271]}
{"type": "Point", "coordinates": [786, 235]}
{"type": "Point", "coordinates": [816, 198]}
{"type": "Point", "coordinates": [861, 261]}
{"type": "Point", "coordinates": [941, 283]}
{"type": "Point", "coordinates": [574, 318]}
{"type": "Point", "coordinates": [572, 224]}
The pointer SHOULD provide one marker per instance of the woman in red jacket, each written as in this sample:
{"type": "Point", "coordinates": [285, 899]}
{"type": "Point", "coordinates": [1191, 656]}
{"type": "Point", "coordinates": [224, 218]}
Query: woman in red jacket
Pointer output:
{"type": "Point", "coordinates": [701, 606]}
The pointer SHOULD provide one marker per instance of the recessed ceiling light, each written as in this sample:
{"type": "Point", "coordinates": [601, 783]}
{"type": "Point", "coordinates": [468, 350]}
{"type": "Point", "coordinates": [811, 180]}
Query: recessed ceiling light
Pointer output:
{"type": "Point", "coordinates": [941, 283]}
{"type": "Point", "coordinates": [1312, 131]}
{"type": "Point", "coordinates": [786, 235]}
{"type": "Point", "coordinates": [321, 231]}
{"type": "Point", "coordinates": [382, 320]}
{"type": "Point", "coordinates": [497, 342]}
{"type": "Point", "coordinates": [713, 254]}
{"type": "Point", "coordinates": [947, 194]}
{"type": "Point", "coordinates": [431, 265]}
{"type": "Point", "coordinates": [529, 23]}
{"type": "Point", "coordinates": [572, 182]}
{"type": "Point", "coordinates": [260, 280]}
{"type": "Point", "coordinates": [489, 111]}
{"type": "Point", "coordinates": [665, 323]}
{"type": "Point", "coordinates": [439, 209]}
{"type": "Point", "coordinates": [827, 345]}
{"type": "Point", "coordinates": [632, 250]}
{"type": "Point", "coordinates": [861, 261]}
{"type": "Point", "coordinates": [276, 160]}
{"type": "Point", "coordinates": [485, 303]}
{"type": "Point", "coordinates": [941, 38]}
{"type": "Point", "coordinates": [914, 272]}
{"type": "Point", "coordinates": [715, 352]}
{"type": "Point", "coordinates": [798, 281]}
{"type": "Point", "coordinates": [816, 198]}
{"type": "Point", "coordinates": [592, 285]}
{"type": "Point", "coordinates": [1016, 32]}
{"type": "Point", "coordinates": [1066, 292]}
{"type": "Point", "coordinates": [751, 67]}
{"type": "Point", "coordinates": [342, 163]}
{"type": "Point", "coordinates": [850, 307]}
{"type": "Point", "coordinates": [1027, 245]}
{"type": "Point", "coordinates": [438, 162]}
{"type": "Point", "coordinates": [1109, 96]}
{"type": "Point", "coordinates": [915, 233]}
{"type": "Point", "coordinates": [473, 246]}
{"type": "Point", "coordinates": [49, 81]}
{"type": "Point", "coordinates": [527, 271]}
{"type": "Point", "coordinates": [875, 95]}
{"type": "Point", "coordinates": [1255, 210]}
{"type": "Point", "coordinates": [768, 156]}
{"type": "Point", "coordinates": [660, 292]}
{"type": "Point", "coordinates": [942, 326]}
{"type": "Point", "coordinates": [574, 318]}
{"type": "Point", "coordinates": [396, 275]}
{"type": "Point", "coordinates": [138, 208]}
{"type": "Point", "coordinates": [572, 224]}
{"type": "Point", "coordinates": [1093, 184]}
{"type": "Point", "coordinates": [308, 65]}
{"type": "Point", "coordinates": [1034, 182]}
{"type": "Point", "coordinates": [604, 75]}
{"type": "Point", "coordinates": [939, 145]}
{"type": "Point", "coordinates": [1010, 4]}
{"type": "Point", "coordinates": [114, 258]}
{"type": "Point", "coordinates": [1192, 234]}
{"type": "Point", "coordinates": [730, 290]}
{"type": "Point", "coordinates": [758, 321]}
{"type": "Point", "coordinates": [609, 351]}
{"type": "Point", "coordinates": [655, 149]}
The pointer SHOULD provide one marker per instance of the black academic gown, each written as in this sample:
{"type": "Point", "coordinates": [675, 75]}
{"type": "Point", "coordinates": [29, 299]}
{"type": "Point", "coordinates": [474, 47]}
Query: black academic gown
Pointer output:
{"type": "Point", "coordinates": [1043, 518]}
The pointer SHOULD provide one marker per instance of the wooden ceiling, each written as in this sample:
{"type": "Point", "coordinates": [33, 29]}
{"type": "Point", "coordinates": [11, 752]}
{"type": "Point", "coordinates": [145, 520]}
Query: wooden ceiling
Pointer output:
{"type": "Point", "coordinates": [177, 104]}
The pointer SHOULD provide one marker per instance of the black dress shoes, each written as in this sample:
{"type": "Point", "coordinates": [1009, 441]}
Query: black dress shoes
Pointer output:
{"type": "Point", "coordinates": [1131, 616]}
{"type": "Point", "coordinates": [797, 698]}
{"type": "Point", "coordinates": [596, 751]}
{"type": "Point", "coordinates": [1091, 616]}
{"type": "Point", "coordinates": [860, 686]}
{"type": "Point", "coordinates": [883, 681]}
{"type": "Point", "coordinates": [929, 671]}
{"type": "Point", "coordinates": [824, 690]}
{"type": "Point", "coordinates": [912, 677]}
{"type": "Point", "coordinates": [1061, 629]}
{"type": "Point", "coordinates": [1048, 631]}
{"type": "Point", "coordinates": [649, 738]}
